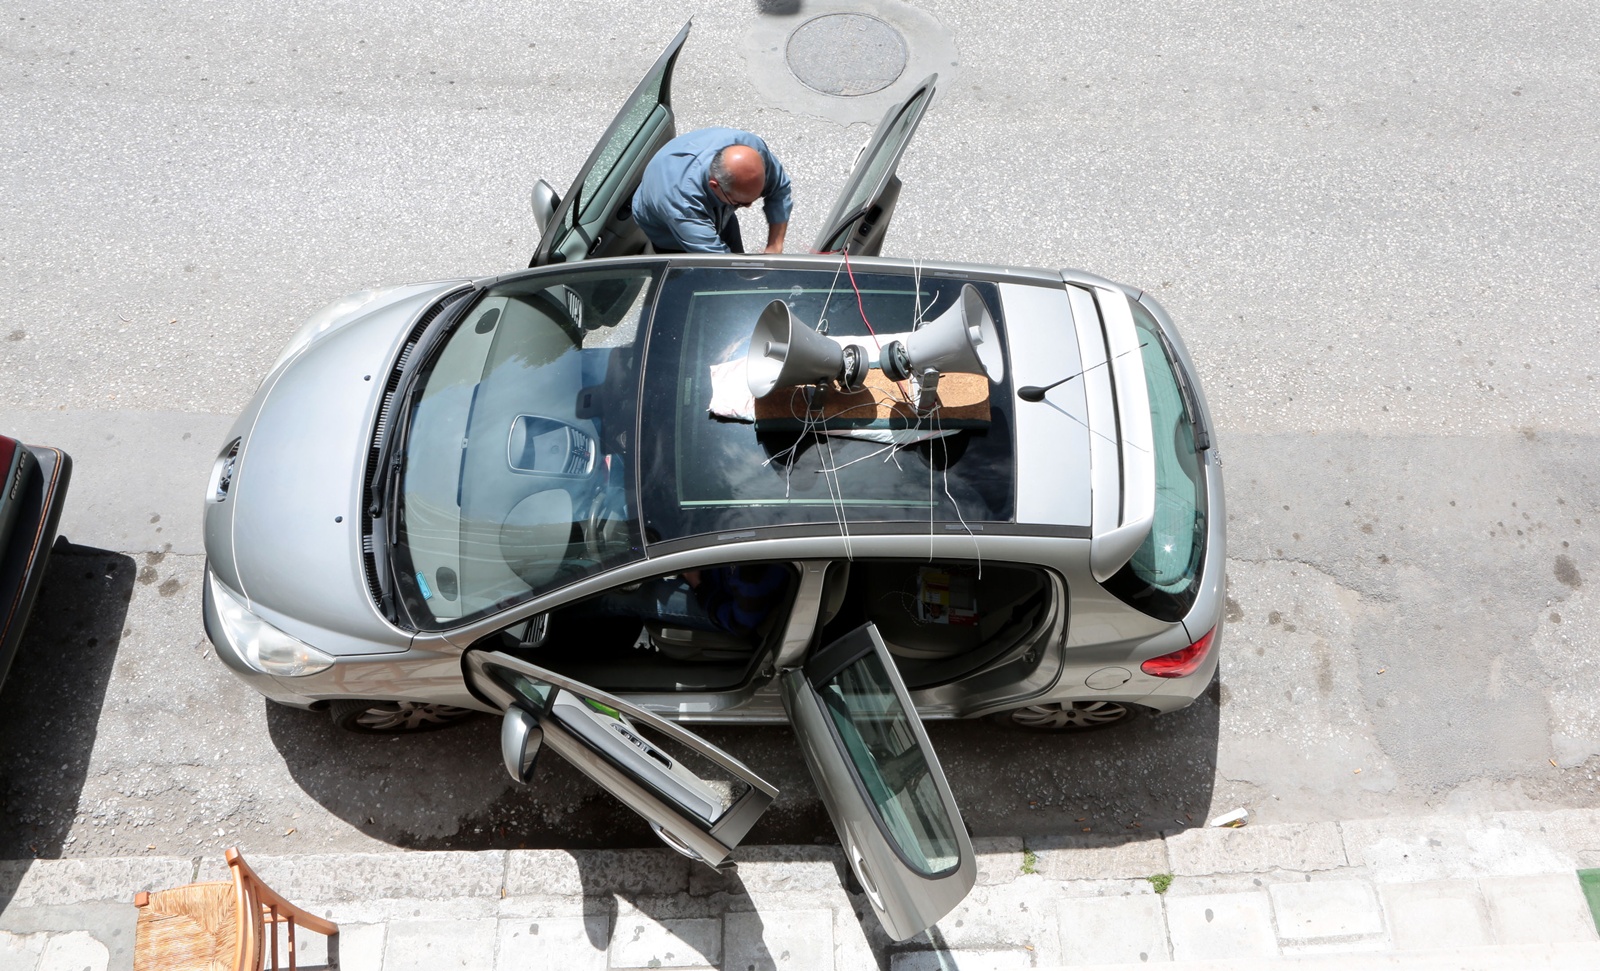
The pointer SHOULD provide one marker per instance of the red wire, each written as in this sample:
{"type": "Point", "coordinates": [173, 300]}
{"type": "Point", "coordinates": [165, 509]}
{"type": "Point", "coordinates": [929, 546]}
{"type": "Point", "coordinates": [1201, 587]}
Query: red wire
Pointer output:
{"type": "Point", "coordinates": [905, 390]}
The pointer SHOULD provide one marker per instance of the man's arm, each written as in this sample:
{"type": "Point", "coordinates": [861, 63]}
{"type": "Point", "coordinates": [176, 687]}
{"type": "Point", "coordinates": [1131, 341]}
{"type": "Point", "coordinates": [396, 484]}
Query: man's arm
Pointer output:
{"type": "Point", "coordinates": [696, 233]}
{"type": "Point", "coordinates": [775, 234]}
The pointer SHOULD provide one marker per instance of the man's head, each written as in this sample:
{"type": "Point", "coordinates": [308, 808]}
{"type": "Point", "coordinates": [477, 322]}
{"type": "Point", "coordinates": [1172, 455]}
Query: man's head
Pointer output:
{"type": "Point", "coordinates": [738, 176]}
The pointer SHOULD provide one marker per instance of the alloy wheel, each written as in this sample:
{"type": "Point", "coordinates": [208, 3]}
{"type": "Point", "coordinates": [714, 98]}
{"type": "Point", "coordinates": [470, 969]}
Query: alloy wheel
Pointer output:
{"type": "Point", "coordinates": [1070, 715]}
{"type": "Point", "coordinates": [395, 717]}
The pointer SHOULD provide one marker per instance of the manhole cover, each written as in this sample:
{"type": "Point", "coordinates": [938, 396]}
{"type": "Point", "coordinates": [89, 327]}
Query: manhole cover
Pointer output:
{"type": "Point", "coordinates": [846, 54]}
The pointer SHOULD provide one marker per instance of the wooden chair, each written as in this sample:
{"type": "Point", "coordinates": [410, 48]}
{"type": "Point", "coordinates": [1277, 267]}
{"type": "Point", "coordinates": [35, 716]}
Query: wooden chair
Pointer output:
{"type": "Point", "coordinates": [217, 926]}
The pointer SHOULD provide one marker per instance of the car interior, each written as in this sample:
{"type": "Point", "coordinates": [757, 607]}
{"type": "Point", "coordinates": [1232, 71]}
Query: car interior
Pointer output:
{"type": "Point", "coordinates": [940, 621]}
{"type": "Point", "coordinates": [624, 640]}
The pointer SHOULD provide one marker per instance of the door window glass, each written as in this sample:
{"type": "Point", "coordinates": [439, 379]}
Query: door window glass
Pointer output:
{"type": "Point", "coordinates": [629, 124]}
{"type": "Point", "coordinates": [887, 154]}
{"type": "Point", "coordinates": [882, 748]}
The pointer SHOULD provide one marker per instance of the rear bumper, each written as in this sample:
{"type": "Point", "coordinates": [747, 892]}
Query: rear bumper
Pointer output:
{"type": "Point", "coordinates": [27, 553]}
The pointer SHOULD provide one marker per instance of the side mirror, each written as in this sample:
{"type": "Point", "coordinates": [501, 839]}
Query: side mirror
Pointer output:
{"type": "Point", "coordinates": [520, 738]}
{"type": "Point", "coordinates": [545, 203]}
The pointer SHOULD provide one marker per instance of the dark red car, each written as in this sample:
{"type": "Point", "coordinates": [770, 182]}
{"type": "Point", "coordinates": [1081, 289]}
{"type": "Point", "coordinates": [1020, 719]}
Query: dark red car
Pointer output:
{"type": "Point", "coordinates": [31, 494]}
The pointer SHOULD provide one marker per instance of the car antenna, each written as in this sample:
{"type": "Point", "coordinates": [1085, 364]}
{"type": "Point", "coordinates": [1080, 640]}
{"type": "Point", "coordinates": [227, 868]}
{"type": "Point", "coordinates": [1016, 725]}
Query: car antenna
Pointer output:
{"type": "Point", "coordinates": [1034, 392]}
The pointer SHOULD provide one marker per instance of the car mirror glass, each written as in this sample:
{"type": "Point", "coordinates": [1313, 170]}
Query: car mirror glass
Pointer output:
{"type": "Point", "coordinates": [520, 739]}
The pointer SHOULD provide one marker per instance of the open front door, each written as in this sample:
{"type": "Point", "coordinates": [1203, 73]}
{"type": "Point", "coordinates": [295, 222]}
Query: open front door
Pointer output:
{"type": "Point", "coordinates": [698, 799]}
{"type": "Point", "coordinates": [592, 218]}
{"type": "Point", "coordinates": [881, 782]}
{"type": "Point", "coordinates": [860, 218]}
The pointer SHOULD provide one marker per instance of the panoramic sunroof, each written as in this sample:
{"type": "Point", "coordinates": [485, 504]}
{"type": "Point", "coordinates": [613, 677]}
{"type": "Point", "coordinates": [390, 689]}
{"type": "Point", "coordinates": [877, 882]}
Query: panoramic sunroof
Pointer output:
{"type": "Point", "coordinates": [713, 461]}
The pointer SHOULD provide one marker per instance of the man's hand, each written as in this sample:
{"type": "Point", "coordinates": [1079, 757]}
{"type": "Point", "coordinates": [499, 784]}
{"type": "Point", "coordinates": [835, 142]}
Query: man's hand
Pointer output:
{"type": "Point", "coordinates": [775, 234]}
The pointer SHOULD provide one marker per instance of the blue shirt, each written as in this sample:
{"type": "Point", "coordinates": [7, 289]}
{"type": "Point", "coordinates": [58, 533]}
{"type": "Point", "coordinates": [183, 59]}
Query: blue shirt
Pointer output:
{"type": "Point", "coordinates": [674, 204]}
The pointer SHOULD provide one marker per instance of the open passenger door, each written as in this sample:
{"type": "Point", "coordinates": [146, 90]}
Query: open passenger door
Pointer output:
{"type": "Point", "coordinates": [592, 219]}
{"type": "Point", "coordinates": [860, 217]}
{"type": "Point", "coordinates": [649, 763]}
{"type": "Point", "coordinates": [880, 781]}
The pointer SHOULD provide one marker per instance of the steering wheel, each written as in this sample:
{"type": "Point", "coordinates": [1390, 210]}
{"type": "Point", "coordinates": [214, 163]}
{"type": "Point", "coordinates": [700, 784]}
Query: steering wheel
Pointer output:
{"type": "Point", "coordinates": [607, 526]}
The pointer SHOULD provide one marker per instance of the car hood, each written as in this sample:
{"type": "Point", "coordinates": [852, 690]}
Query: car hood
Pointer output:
{"type": "Point", "coordinates": [295, 516]}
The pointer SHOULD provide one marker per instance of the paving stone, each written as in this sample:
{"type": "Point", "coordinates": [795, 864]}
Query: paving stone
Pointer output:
{"type": "Point", "coordinates": [941, 960]}
{"type": "Point", "coordinates": [543, 873]}
{"type": "Point", "coordinates": [329, 878]}
{"type": "Point", "coordinates": [1101, 888]}
{"type": "Point", "coordinates": [1099, 857]}
{"type": "Point", "coordinates": [433, 945]}
{"type": "Point", "coordinates": [361, 947]}
{"type": "Point", "coordinates": [390, 908]}
{"type": "Point", "coordinates": [311, 949]}
{"type": "Point", "coordinates": [773, 869]}
{"type": "Point", "coordinates": [44, 883]}
{"type": "Point", "coordinates": [641, 942]}
{"type": "Point", "coordinates": [1318, 910]}
{"type": "Point", "coordinates": [554, 944]}
{"type": "Point", "coordinates": [1438, 913]}
{"type": "Point", "coordinates": [537, 906]}
{"type": "Point", "coordinates": [1294, 846]}
{"type": "Point", "coordinates": [854, 934]}
{"type": "Point", "coordinates": [75, 951]}
{"type": "Point", "coordinates": [999, 859]}
{"type": "Point", "coordinates": [1420, 849]}
{"type": "Point", "coordinates": [1538, 910]}
{"type": "Point", "coordinates": [632, 871]}
{"type": "Point", "coordinates": [1230, 926]}
{"type": "Point", "coordinates": [800, 940]}
{"type": "Point", "coordinates": [1003, 917]}
{"type": "Point", "coordinates": [1113, 930]}
{"type": "Point", "coordinates": [20, 952]}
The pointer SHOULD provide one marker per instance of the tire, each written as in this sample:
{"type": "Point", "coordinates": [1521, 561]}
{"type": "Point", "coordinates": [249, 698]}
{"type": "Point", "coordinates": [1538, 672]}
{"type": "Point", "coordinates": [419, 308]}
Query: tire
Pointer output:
{"type": "Point", "coordinates": [1069, 716]}
{"type": "Point", "coordinates": [394, 717]}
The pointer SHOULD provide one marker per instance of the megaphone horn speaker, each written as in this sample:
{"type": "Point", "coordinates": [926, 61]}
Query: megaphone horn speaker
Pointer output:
{"type": "Point", "coordinates": [784, 351]}
{"type": "Point", "coordinates": [960, 340]}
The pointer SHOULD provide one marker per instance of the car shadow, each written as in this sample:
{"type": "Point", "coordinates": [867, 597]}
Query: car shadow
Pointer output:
{"type": "Point", "coordinates": [1023, 790]}
{"type": "Point", "coordinates": [51, 700]}
{"type": "Point", "coordinates": [447, 789]}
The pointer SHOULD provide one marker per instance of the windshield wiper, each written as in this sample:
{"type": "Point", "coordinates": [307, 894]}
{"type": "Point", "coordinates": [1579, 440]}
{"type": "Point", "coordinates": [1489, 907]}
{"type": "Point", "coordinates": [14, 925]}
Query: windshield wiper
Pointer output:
{"type": "Point", "coordinates": [439, 320]}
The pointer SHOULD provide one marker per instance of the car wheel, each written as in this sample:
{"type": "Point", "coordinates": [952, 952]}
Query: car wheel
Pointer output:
{"type": "Point", "coordinates": [1069, 716]}
{"type": "Point", "coordinates": [394, 717]}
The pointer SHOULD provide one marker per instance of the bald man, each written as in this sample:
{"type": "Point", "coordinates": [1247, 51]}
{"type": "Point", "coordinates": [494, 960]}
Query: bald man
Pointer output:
{"type": "Point", "coordinates": [691, 192]}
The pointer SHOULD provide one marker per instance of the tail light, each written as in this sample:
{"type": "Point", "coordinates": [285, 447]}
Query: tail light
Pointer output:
{"type": "Point", "coordinates": [1182, 663]}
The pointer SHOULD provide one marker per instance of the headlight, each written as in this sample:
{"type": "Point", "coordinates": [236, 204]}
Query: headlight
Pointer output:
{"type": "Point", "coordinates": [265, 647]}
{"type": "Point", "coordinates": [326, 319]}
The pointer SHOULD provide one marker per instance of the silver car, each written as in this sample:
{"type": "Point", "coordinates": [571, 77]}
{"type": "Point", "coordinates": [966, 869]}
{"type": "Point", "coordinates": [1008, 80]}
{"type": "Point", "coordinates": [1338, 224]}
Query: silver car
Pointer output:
{"type": "Point", "coordinates": [544, 494]}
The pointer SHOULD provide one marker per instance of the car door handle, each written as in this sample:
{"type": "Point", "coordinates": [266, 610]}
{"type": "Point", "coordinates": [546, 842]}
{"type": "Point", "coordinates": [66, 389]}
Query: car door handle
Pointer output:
{"type": "Point", "coordinates": [859, 864]}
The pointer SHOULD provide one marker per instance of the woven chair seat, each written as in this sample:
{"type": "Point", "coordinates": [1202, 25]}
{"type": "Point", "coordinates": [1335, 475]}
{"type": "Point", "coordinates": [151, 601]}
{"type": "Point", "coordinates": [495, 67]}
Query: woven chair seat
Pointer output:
{"type": "Point", "coordinates": [190, 928]}
{"type": "Point", "coordinates": [219, 926]}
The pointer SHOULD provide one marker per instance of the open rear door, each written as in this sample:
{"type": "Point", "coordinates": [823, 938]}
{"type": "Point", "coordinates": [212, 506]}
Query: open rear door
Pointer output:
{"type": "Point", "coordinates": [697, 798]}
{"type": "Point", "coordinates": [881, 782]}
{"type": "Point", "coordinates": [591, 219]}
{"type": "Point", "coordinates": [860, 218]}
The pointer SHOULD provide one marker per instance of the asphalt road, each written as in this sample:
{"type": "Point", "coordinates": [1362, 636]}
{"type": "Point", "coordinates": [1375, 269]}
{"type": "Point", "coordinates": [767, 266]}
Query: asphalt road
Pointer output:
{"type": "Point", "coordinates": [1374, 223]}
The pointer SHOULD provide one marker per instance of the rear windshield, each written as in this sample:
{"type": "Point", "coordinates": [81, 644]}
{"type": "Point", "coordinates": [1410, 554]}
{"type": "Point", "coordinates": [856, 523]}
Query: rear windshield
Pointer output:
{"type": "Point", "coordinates": [1163, 577]}
{"type": "Point", "coordinates": [705, 467]}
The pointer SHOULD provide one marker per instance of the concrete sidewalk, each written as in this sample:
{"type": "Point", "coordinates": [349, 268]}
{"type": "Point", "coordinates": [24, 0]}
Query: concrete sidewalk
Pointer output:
{"type": "Point", "coordinates": [1444, 892]}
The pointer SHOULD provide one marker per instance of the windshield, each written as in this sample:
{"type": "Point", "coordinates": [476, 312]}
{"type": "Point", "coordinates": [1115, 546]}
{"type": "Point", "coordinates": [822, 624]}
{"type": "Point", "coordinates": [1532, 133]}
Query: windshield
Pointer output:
{"type": "Point", "coordinates": [517, 475]}
{"type": "Point", "coordinates": [706, 466]}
